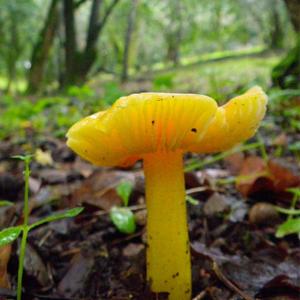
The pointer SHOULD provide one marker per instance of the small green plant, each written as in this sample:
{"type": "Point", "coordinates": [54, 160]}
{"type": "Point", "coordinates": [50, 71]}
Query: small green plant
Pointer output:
{"type": "Point", "coordinates": [291, 225]}
{"type": "Point", "coordinates": [10, 234]}
{"type": "Point", "coordinates": [5, 203]}
{"type": "Point", "coordinates": [80, 92]}
{"type": "Point", "coordinates": [191, 200]}
{"type": "Point", "coordinates": [123, 217]}
{"type": "Point", "coordinates": [195, 163]}
{"type": "Point", "coordinates": [295, 148]}
{"type": "Point", "coordinates": [164, 81]}
{"type": "Point", "coordinates": [112, 91]}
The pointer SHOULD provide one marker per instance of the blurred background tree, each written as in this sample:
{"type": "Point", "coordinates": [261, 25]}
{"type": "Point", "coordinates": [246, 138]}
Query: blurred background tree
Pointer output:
{"type": "Point", "coordinates": [51, 44]}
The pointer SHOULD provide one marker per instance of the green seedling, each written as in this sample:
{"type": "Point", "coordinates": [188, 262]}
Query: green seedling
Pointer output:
{"type": "Point", "coordinates": [291, 225]}
{"type": "Point", "coordinates": [124, 190]}
{"type": "Point", "coordinates": [10, 234]}
{"type": "Point", "coordinates": [288, 227]}
{"type": "Point", "coordinates": [5, 203]}
{"type": "Point", "coordinates": [123, 217]}
{"type": "Point", "coordinates": [194, 164]}
{"type": "Point", "coordinates": [295, 148]}
{"type": "Point", "coordinates": [191, 200]}
{"type": "Point", "coordinates": [262, 148]}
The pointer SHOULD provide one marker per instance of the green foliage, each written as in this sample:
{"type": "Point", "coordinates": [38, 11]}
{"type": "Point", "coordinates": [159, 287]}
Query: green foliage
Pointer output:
{"type": "Point", "coordinates": [194, 164]}
{"type": "Point", "coordinates": [80, 92]}
{"type": "Point", "coordinates": [279, 98]}
{"type": "Point", "coordinates": [164, 81]}
{"type": "Point", "coordinates": [191, 200]}
{"type": "Point", "coordinates": [5, 203]}
{"type": "Point", "coordinates": [112, 92]}
{"type": "Point", "coordinates": [10, 234]}
{"type": "Point", "coordinates": [70, 213]}
{"type": "Point", "coordinates": [51, 114]}
{"type": "Point", "coordinates": [123, 219]}
{"type": "Point", "coordinates": [295, 147]}
{"type": "Point", "coordinates": [124, 190]}
{"type": "Point", "coordinates": [291, 225]}
{"type": "Point", "coordinates": [288, 227]}
{"type": "Point", "coordinates": [288, 211]}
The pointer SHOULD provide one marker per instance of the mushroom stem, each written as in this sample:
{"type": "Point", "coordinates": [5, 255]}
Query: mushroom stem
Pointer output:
{"type": "Point", "coordinates": [168, 254]}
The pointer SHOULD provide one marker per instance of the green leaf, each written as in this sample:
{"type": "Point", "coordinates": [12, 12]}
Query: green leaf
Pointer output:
{"type": "Point", "coordinates": [123, 219]}
{"type": "Point", "coordinates": [8, 235]}
{"type": "Point", "coordinates": [5, 203]}
{"type": "Point", "coordinates": [294, 191]}
{"type": "Point", "coordinates": [294, 146]}
{"type": "Point", "coordinates": [124, 190]}
{"type": "Point", "coordinates": [191, 200]}
{"type": "Point", "coordinates": [70, 213]}
{"type": "Point", "coordinates": [26, 158]}
{"type": "Point", "coordinates": [288, 211]}
{"type": "Point", "coordinates": [288, 227]}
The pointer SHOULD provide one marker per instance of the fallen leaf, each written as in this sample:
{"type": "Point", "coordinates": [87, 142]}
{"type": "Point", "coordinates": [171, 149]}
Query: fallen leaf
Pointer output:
{"type": "Point", "coordinates": [253, 273]}
{"type": "Point", "coordinates": [76, 276]}
{"type": "Point", "coordinates": [133, 249]}
{"type": "Point", "coordinates": [100, 189]}
{"type": "Point", "coordinates": [34, 185]}
{"type": "Point", "coordinates": [35, 267]}
{"type": "Point", "coordinates": [215, 204]}
{"type": "Point", "coordinates": [5, 252]}
{"type": "Point", "coordinates": [234, 162]}
{"type": "Point", "coordinates": [56, 176]}
{"type": "Point", "coordinates": [258, 176]}
{"type": "Point", "coordinates": [44, 158]}
{"type": "Point", "coordinates": [280, 140]}
{"type": "Point", "coordinates": [281, 288]}
{"type": "Point", "coordinates": [10, 187]}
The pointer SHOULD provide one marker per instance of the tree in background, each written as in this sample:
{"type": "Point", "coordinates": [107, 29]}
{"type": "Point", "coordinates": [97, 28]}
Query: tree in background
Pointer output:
{"type": "Point", "coordinates": [174, 31]}
{"type": "Point", "coordinates": [42, 47]}
{"type": "Point", "coordinates": [70, 41]}
{"type": "Point", "coordinates": [79, 63]}
{"type": "Point", "coordinates": [17, 23]}
{"type": "Point", "coordinates": [128, 37]}
{"type": "Point", "coordinates": [287, 73]}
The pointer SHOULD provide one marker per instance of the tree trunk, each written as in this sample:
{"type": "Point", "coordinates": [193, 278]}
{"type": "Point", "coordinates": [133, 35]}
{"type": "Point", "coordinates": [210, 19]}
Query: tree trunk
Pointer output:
{"type": "Point", "coordinates": [128, 38]}
{"type": "Point", "coordinates": [174, 37]}
{"type": "Point", "coordinates": [96, 25]}
{"type": "Point", "coordinates": [70, 43]}
{"type": "Point", "coordinates": [90, 52]}
{"type": "Point", "coordinates": [276, 33]}
{"type": "Point", "coordinates": [293, 7]}
{"type": "Point", "coordinates": [286, 74]}
{"type": "Point", "coordinates": [42, 48]}
{"type": "Point", "coordinates": [79, 64]}
{"type": "Point", "coordinates": [13, 54]}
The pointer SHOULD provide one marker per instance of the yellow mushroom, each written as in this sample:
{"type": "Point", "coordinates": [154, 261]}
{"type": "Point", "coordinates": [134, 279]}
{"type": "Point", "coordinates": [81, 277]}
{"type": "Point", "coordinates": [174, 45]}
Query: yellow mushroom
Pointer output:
{"type": "Point", "coordinates": [159, 128]}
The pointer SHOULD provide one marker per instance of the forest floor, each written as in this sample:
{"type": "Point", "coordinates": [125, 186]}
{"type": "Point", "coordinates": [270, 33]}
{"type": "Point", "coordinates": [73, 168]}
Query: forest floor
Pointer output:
{"type": "Point", "coordinates": [237, 250]}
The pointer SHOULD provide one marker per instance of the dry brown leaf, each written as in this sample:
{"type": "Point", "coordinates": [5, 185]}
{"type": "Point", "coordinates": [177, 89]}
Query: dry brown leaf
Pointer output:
{"type": "Point", "coordinates": [258, 176]}
{"type": "Point", "coordinates": [280, 140]}
{"type": "Point", "coordinates": [234, 162]}
{"type": "Point", "coordinates": [5, 252]}
{"type": "Point", "coordinates": [99, 189]}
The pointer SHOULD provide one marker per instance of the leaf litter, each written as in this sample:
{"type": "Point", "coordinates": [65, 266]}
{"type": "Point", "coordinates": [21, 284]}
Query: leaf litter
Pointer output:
{"type": "Point", "coordinates": [235, 253]}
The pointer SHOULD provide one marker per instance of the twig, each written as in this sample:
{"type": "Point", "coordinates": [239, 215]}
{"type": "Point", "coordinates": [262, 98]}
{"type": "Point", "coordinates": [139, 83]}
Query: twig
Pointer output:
{"type": "Point", "coordinates": [196, 190]}
{"type": "Point", "coordinates": [200, 296]}
{"type": "Point", "coordinates": [127, 238]}
{"type": "Point", "coordinates": [228, 283]}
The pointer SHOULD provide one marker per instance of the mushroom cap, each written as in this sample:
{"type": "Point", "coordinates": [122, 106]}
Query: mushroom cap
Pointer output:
{"type": "Point", "coordinates": [152, 122]}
